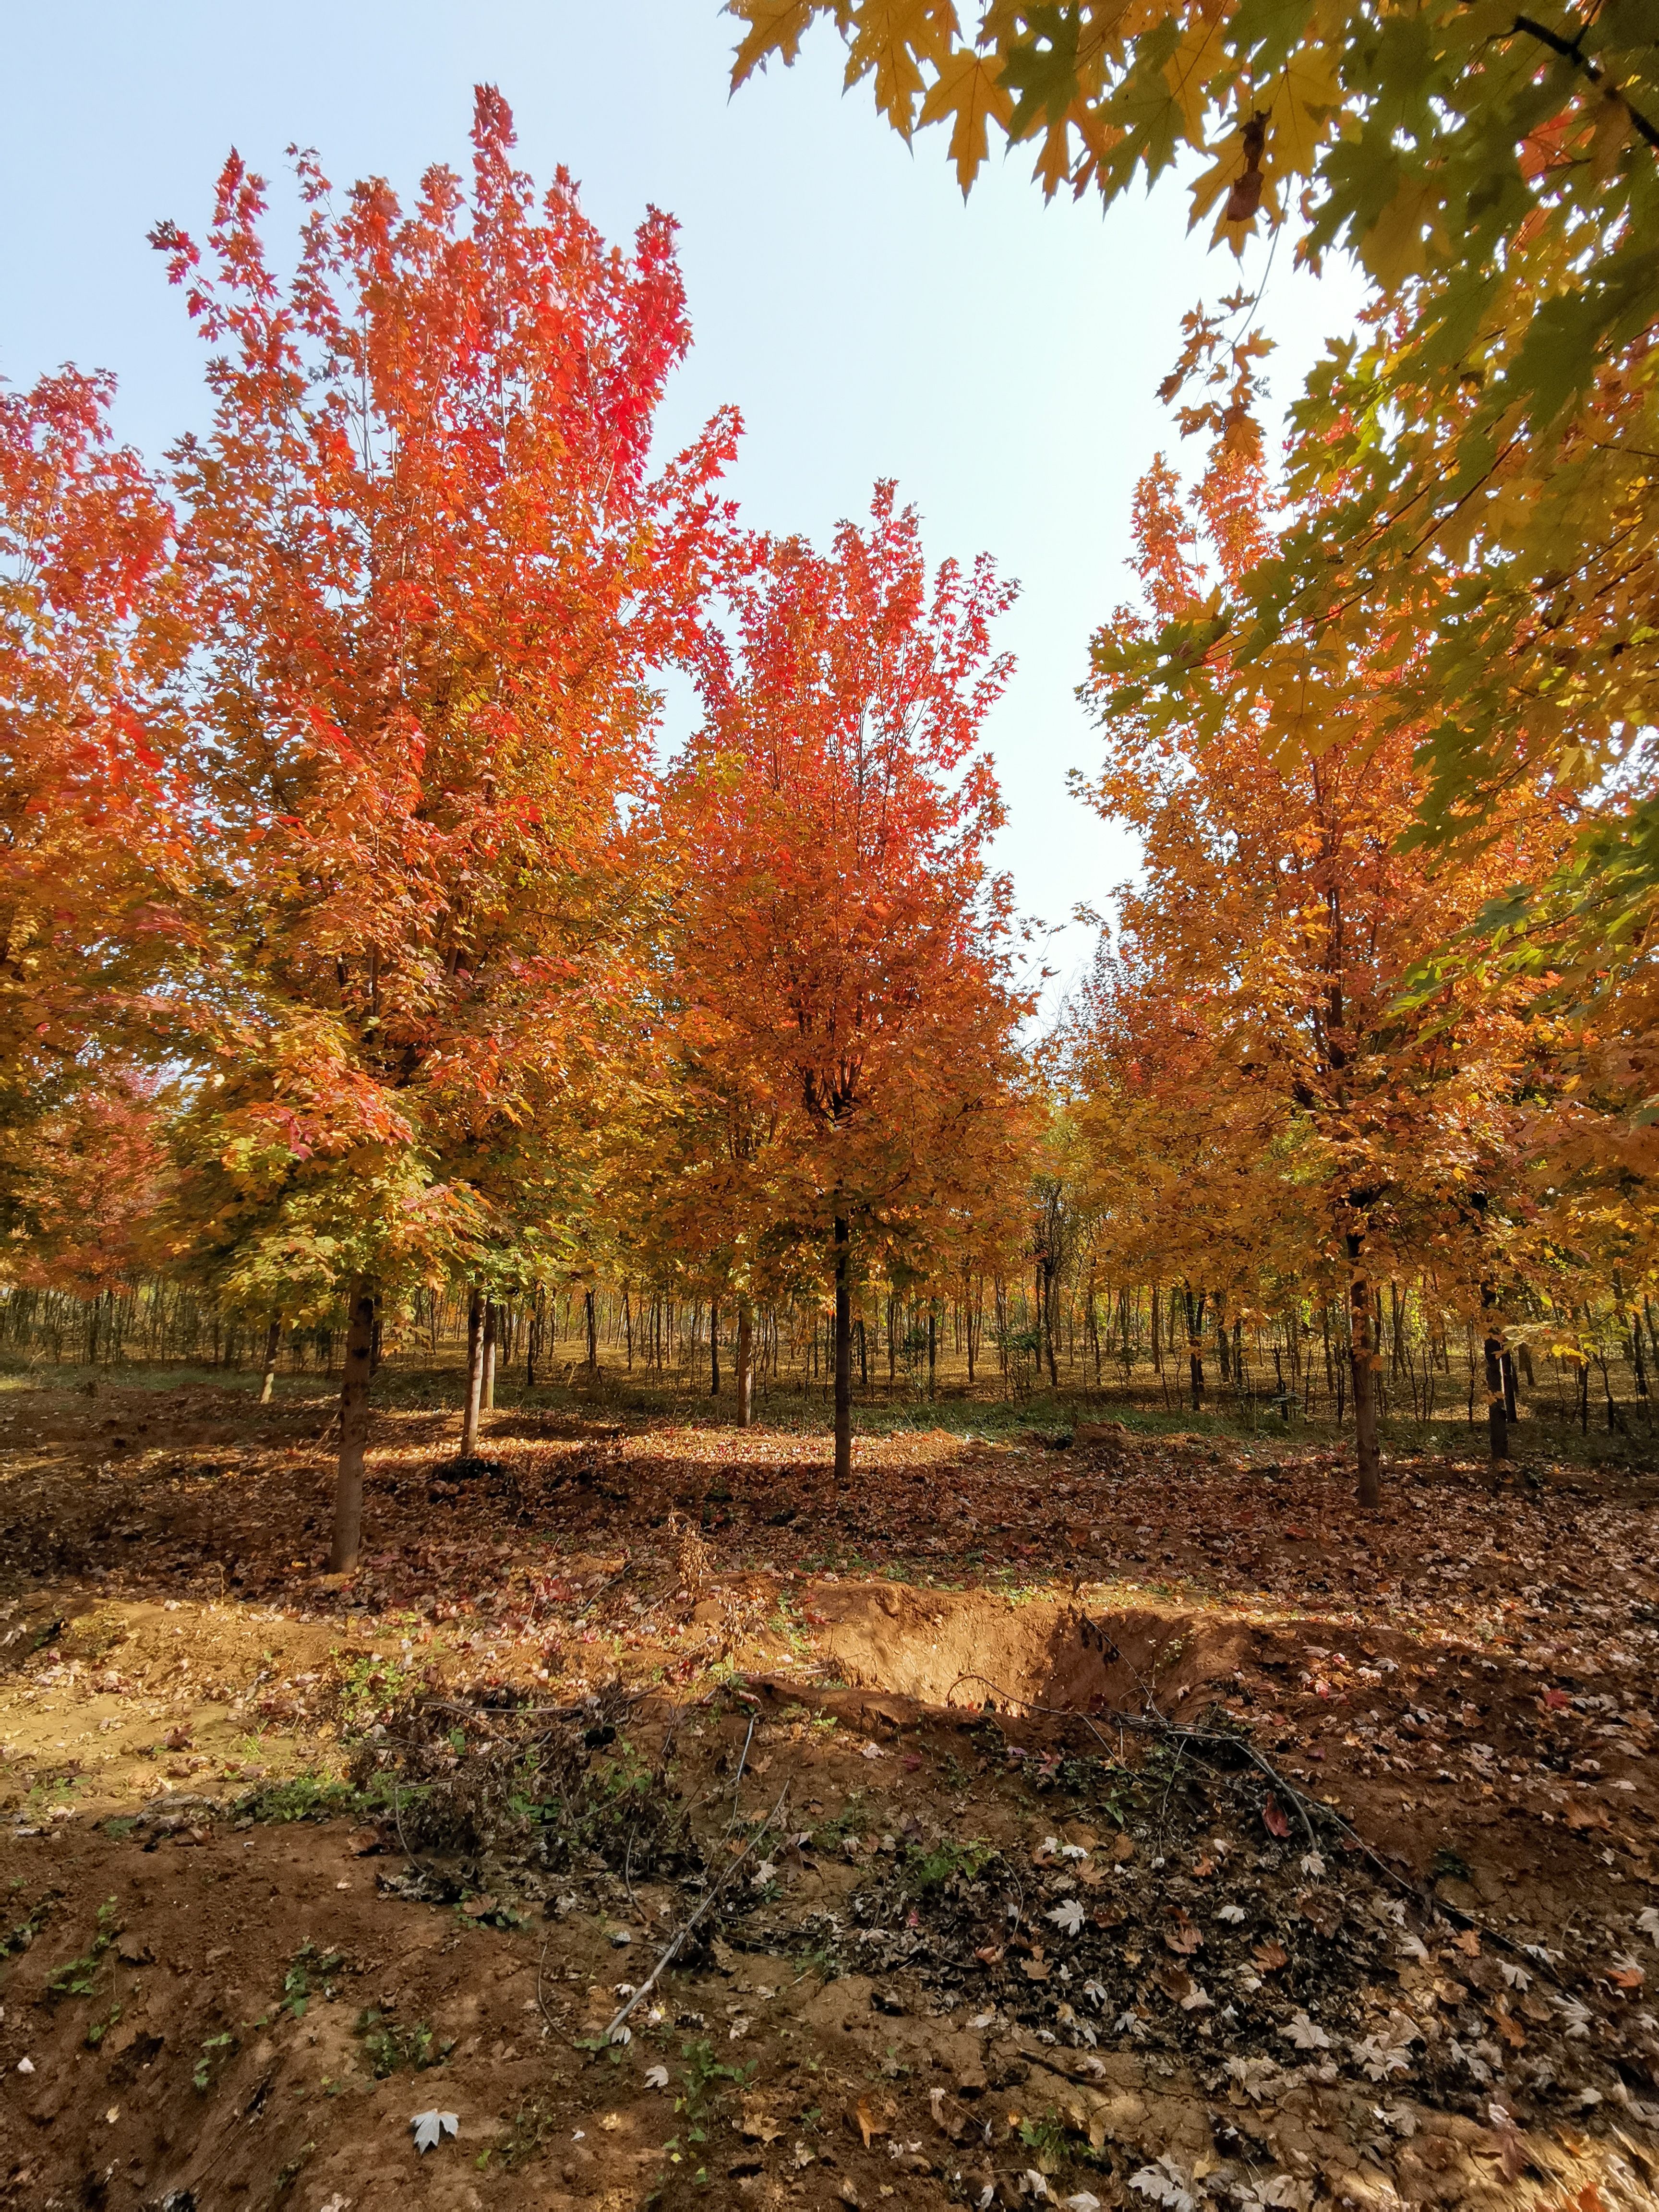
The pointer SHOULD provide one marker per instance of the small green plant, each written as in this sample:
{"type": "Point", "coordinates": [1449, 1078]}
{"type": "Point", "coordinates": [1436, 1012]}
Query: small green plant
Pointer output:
{"type": "Point", "coordinates": [314, 1797]}
{"type": "Point", "coordinates": [534, 2127]}
{"type": "Point", "coordinates": [308, 1974]}
{"type": "Point", "coordinates": [215, 2051]}
{"type": "Point", "coordinates": [371, 1686]}
{"type": "Point", "coordinates": [1047, 2138]}
{"type": "Point", "coordinates": [100, 2028]}
{"type": "Point", "coordinates": [25, 1932]}
{"type": "Point", "coordinates": [946, 1862]}
{"type": "Point", "coordinates": [76, 1979]}
{"type": "Point", "coordinates": [390, 2049]}
{"type": "Point", "coordinates": [700, 2077]}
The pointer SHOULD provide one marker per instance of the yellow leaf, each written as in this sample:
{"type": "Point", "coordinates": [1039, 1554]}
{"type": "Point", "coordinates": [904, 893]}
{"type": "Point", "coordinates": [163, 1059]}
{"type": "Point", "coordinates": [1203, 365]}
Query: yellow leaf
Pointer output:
{"type": "Point", "coordinates": [967, 89]}
{"type": "Point", "coordinates": [776, 27]}
{"type": "Point", "coordinates": [891, 39]}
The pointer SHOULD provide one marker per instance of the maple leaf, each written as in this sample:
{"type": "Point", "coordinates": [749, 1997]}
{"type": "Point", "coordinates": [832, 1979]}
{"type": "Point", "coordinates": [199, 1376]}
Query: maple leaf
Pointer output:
{"type": "Point", "coordinates": [1165, 2185]}
{"type": "Point", "coordinates": [970, 90]}
{"type": "Point", "coordinates": [1068, 1916]}
{"type": "Point", "coordinates": [1306, 2034]}
{"type": "Point", "coordinates": [1269, 1957]}
{"type": "Point", "coordinates": [1185, 1937]}
{"type": "Point", "coordinates": [775, 26]}
{"type": "Point", "coordinates": [1274, 1818]}
{"type": "Point", "coordinates": [430, 2127]}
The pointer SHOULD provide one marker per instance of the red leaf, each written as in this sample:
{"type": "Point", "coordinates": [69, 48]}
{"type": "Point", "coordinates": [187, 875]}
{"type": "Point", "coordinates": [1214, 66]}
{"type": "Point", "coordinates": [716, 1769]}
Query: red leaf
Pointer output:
{"type": "Point", "coordinates": [1275, 1818]}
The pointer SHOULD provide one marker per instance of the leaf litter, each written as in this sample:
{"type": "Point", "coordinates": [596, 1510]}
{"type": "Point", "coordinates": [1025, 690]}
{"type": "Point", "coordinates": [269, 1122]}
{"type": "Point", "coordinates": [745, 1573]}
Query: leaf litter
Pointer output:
{"type": "Point", "coordinates": [565, 1741]}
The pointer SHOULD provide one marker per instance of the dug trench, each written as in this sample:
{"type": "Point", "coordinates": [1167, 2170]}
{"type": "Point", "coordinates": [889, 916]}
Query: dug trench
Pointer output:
{"type": "Point", "coordinates": [672, 1876]}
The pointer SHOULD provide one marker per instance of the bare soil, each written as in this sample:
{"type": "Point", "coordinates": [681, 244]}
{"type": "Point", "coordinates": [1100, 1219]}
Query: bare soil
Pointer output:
{"type": "Point", "coordinates": [1127, 1821]}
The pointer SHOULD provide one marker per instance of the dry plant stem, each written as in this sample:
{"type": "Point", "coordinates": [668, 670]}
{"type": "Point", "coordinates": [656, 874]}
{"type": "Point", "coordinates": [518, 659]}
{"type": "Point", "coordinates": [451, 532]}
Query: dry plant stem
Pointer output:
{"type": "Point", "coordinates": [677, 1940]}
{"type": "Point", "coordinates": [1429, 1906]}
{"type": "Point", "coordinates": [743, 1762]}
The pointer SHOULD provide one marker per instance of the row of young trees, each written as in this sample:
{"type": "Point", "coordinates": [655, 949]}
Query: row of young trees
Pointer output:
{"type": "Point", "coordinates": [356, 951]}
{"type": "Point", "coordinates": [354, 944]}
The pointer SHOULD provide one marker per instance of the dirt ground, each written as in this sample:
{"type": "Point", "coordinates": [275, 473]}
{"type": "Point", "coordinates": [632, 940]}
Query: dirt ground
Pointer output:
{"type": "Point", "coordinates": [1120, 1824]}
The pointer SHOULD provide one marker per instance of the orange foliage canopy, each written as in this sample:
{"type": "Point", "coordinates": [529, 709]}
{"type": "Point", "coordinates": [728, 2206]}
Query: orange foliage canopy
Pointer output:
{"type": "Point", "coordinates": [432, 575]}
{"type": "Point", "coordinates": [841, 1002]}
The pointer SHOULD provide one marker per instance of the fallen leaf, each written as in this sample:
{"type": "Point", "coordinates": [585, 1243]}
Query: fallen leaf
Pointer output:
{"type": "Point", "coordinates": [656, 2077]}
{"type": "Point", "coordinates": [1274, 1819]}
{"type": "Point", "coordinates": [1269, 1957]}
{"type": "Point", "coordinates": [430, 2127]}
{"type": "Point", "coordinates": [1184, 1938]}
{"type": "Point", "coordinates": [869, 2126]}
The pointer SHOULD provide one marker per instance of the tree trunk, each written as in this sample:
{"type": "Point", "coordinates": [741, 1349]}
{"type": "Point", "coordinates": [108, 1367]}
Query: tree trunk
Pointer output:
{"type": "Point", "coordinates": [591, 1315]}
{"type": "Point", "coordinates": [354, 1432]}
{"type": "Point", "coordinates": [492, 1329]}
{"type": "Point", "coordinates": [844, 1353]}
{"type": "Point", "coordinates": [745, 1363]}
{"type": "Point", "coordinates": [932, 1347]}
{"type": "Point", "coordinates": [475, 1316]}
{"type": "Point", "coordinates": [1497, 1421]}
{"type": "Point", "coordinates": [1364, 1383]}
{"type": "Point", "coordinates": [713, 1350]}
{"type": "Point", "coordinates": [273, 1344]}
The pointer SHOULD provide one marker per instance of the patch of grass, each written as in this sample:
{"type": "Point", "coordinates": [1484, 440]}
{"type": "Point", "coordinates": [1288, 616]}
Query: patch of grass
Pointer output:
{"type": "Point", "coordinates": [390, 2049]}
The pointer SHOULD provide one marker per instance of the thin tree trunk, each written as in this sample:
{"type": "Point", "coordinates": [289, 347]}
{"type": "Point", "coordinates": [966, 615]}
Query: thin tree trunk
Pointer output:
{"type": "Point", "coordinates": [591, 1313]}
{"type": "Point", "coordinates": [475, 1320]}
{"type": "Point", "coordinates": [354, 1432]}
{"type": "Point", "coordinates": [843, 1249]}
{"type": "Point", "coordinates": [1364, 1383]}
{"type": "Point", "coordinates": [714, 1352]}
{"type": "Point", "coordinates": [745, 1363]}
{"type": "Point", "coordinates": [492, 1329]}
{"type": "Point", "coordinates": [273, 1344]}
{"type": "Point", "coordinates": [1497, 1422]}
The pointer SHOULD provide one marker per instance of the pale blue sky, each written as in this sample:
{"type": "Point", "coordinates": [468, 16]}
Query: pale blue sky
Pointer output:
{"type": "Point", "coordinates": [1000, 360]}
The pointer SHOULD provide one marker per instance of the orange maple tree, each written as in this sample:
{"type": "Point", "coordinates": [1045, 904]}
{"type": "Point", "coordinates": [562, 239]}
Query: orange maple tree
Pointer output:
{"type": "Point", "coordinates": [431, 574]}
{"type": "Point", "coordinates": [839, 1012]}
{"type": "Point", "coordinates": [89, 820]}
{"type": "Point", "coordinates": [1263, 1100]}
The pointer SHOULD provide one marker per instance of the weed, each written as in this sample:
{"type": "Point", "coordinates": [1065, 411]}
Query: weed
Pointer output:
{"type": "Point", "coordinates": [372, 1686]}
{"type": "Point", "coordinates": [314, 1797]}
{"type": "Point", "coordinates": [390, 2049]}
{"type": "Point", "coordinates": [75, 1978]}
{"type": "Point", "coordinates": [534, 2127]}
{"type": "Point", "coordinates": [1047, 2138]}
{"type": "Point", "coordinates": [947, 1862]}
{"type": "Point", "coordinates": [26, 1930]}
{"type": "Point", "coordinates": [215, 2051]}
{"type": "Point", "coordinates": [308, 1970]}
{"type": "Point", "coordinates": [98, 2029]}
{"type": "Point", "coordinates": [701, 2076]}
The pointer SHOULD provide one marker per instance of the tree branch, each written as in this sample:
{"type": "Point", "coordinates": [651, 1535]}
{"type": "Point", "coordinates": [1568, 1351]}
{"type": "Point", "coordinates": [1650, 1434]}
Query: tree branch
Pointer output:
{"type": "Point", "coordinates": [1568, 51]}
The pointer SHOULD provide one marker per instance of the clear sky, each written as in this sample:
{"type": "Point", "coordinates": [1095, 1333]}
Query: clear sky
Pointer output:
{"type": "Point", "coordinates": [999, 359]}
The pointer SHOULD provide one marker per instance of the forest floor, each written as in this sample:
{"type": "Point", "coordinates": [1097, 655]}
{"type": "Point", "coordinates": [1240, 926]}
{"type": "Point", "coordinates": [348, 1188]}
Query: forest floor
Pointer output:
{"type": "Point", "coordinates": [1125, 1823]}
